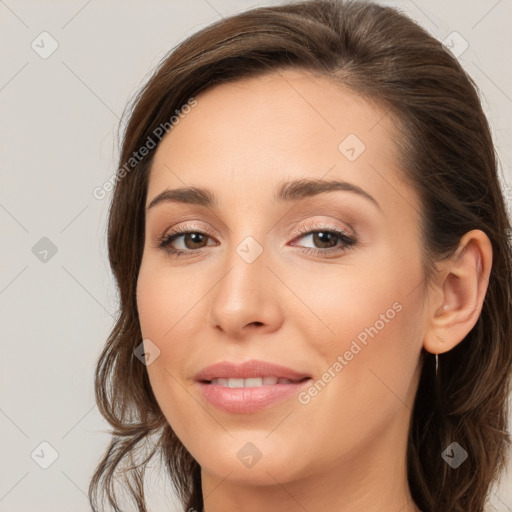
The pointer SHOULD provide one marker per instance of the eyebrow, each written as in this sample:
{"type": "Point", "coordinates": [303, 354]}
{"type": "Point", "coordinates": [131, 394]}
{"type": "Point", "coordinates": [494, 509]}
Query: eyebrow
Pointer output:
{"type": "Point", "coordinates": [289, 191]}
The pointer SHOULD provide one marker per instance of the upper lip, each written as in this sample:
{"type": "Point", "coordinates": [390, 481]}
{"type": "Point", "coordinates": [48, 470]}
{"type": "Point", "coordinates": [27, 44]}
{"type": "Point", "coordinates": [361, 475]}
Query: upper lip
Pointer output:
{"type": "Point", "coordinates": [248, 369]}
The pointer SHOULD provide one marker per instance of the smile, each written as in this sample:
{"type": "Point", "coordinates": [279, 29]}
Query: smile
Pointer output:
{"type": "Point", "coordinates": [253, 382]}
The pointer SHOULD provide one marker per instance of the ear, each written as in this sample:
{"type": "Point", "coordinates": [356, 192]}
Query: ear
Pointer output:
{"type": "Point", "coordinates": [459, 292]}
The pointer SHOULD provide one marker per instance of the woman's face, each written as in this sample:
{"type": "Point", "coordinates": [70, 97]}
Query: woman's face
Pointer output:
{"type": "Point", "coordinates": [324, 281]}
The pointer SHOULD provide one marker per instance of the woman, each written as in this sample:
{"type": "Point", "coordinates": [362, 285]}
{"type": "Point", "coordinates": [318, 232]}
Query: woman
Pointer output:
{"type": "Point", "coordinates": [311, 248]}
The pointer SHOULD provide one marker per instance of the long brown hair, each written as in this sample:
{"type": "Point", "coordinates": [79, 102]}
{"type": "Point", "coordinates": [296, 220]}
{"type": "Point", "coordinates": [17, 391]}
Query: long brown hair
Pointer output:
{"type": "Point", "coordinates": [447, 154]}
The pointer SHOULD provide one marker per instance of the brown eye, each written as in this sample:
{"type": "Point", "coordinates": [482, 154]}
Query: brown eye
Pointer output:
{"type": "Point", "coordinates": [325, 239]}
{"type": "Point", "coordinates": [190, 241]}
{"type": "Point", "coordinates": [194, 240]}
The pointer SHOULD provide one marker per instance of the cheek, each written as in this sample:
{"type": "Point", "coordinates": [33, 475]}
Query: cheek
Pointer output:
{"type": "Point", "coordinates": [367, 316]}
{"type": "Point", "coordinates": [171, 306]}
{"type": "Point", "coordinates": [336, 304]}
{"type": "Point", "coordinates": [368, 363]}
{"type": "Point", "coordinates": [165, 300]}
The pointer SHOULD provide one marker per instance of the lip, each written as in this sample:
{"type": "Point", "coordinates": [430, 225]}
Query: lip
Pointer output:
{"type": "Point", "coordinates": [249, 399]}
{"type": "Point", "coordinates": [248, 369]}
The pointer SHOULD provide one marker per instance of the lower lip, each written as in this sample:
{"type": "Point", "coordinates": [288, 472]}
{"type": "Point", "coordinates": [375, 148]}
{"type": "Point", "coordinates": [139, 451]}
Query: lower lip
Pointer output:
{"type": "Point", "coordinates": [247, 400]}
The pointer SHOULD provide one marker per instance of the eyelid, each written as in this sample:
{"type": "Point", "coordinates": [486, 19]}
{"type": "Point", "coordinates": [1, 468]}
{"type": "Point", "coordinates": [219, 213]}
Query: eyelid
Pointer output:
{"type": "Point", "coordinates": [186, 227]}
{"type": "Point", "coordinates": [305, 228]}
{"type": "Point", "coordinates": [348, 240]}
{"type": "Point", "coordinates": [312, 225]}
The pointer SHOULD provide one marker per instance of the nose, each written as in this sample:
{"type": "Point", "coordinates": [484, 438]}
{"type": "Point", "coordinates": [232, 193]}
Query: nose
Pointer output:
{"type": "Point", "coordinates": [247, 295]}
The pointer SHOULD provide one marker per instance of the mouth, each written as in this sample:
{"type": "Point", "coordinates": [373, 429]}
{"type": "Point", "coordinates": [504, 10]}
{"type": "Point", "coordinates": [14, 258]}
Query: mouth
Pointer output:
{"type": "Point", "coordinates": [252, 382]}
{"type": "Point", "coordinates": [253, 373]}
{"type": "Point", "coordinates": [250, 386]}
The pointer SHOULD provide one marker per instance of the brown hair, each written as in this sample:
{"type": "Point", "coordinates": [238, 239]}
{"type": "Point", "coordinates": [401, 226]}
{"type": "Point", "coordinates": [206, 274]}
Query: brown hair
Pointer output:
{"type": "Point", "coordinates": [447, 155]}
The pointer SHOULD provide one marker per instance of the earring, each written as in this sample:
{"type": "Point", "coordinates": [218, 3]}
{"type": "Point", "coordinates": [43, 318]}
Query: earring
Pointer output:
{"type": "Point", "coordinates": [437, 364]}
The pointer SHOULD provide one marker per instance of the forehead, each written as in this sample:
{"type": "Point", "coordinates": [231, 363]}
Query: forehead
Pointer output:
{"type": "Point", "coordinates": [247, 136]}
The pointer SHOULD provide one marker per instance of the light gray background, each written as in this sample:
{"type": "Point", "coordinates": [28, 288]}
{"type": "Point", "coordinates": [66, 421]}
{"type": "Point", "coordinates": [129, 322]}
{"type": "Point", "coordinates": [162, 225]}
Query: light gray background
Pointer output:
{"type": "Point", "coordinates": [59, 118]}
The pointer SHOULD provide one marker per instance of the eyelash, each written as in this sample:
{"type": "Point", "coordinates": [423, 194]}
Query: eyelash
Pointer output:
{"type": "Point", "coordinates": [348, 241]}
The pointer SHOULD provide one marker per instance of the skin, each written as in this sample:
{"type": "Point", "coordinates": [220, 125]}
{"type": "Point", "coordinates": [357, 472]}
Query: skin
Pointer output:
{"type": "Point", "coordinates": [344, 450]}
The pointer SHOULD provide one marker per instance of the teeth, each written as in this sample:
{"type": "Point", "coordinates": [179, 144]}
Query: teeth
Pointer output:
{"type": "Point", "coordinates": [253, 382]}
